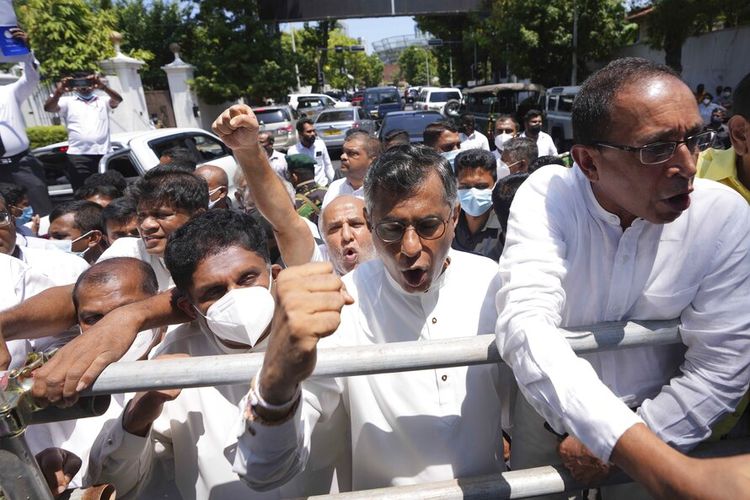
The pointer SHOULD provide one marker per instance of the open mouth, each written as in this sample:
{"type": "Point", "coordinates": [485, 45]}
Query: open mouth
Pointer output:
{"type": "Point", "coordinates": [679, 202]}
{"type": "Point", "coordinates": [415, 277]}
{"type": "Point", "coordinates": [350, 255]}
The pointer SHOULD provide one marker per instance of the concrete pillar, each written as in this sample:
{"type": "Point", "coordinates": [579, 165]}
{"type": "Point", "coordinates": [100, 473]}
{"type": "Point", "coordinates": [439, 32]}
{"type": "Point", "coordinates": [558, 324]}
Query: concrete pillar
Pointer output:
{"type": "Point", "coordinates": [184, 101]}
{"type": "Point", "coordinates": [122, 76]}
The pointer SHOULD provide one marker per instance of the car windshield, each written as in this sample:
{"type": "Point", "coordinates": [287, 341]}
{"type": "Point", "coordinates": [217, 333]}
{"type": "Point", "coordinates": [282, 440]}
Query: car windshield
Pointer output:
{"type": "Point", "coordinates": [412, 123]}
{"type": "Point", "coordinates": [444, 96]}
{"type": "Point", "coordinates": [384, 97]}
{"type": "Point", "coordinates": [336, 116]}
{"type": "Point", "coordinates": [272, 116]}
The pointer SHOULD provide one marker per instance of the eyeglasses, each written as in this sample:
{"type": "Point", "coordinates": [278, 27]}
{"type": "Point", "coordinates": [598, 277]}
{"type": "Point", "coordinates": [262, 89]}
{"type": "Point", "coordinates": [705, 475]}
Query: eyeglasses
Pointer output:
{"type": "Point", "coordinates": [4, 218]}
{"type": "Point", "coordinates": [504, 131]}
{"type": "Point", "coordinates": [659, 152]}
{"type": "Point", "coordinates": [429, 228]}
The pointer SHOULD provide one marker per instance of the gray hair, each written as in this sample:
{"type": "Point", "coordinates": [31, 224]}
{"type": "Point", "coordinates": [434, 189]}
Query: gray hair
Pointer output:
{"type": "Point", "coordinates": [403, 169]}
{"type": "Point", "coordinates": [521, 148]}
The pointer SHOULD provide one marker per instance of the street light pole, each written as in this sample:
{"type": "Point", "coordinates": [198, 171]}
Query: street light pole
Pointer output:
{"type": "Point", "coordinates": [427, 64]}
{"type": "Point", "coordinates": [296, 67]}
{"type": "Point", "coordinates": [574, 66]}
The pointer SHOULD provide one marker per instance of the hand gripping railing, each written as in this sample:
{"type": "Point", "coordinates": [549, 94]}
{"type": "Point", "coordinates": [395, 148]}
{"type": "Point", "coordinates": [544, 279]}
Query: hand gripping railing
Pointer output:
{"type": "Point", "coordinates": [363, 360]}
{"type": "Point", "coordinates": [396, 357]}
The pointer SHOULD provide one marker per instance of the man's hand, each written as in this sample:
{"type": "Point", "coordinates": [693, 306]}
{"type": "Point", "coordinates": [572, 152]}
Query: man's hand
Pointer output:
{"type": "Point", "coordinates": [309, 302]}
{"type": "Point", "coordinates": [35, 222]}
{"type": "Point", "coordinates": [582, 464]}
{"type": "Point", "coordinates": [238, 127]}
{"type": "Point", "coordinates": [20, 34]}
{"type": "Point", "coordinates": [96, 81]}
{"type": "Point", "coordinates": [147, 406]}
{"type": "Point", "coordinates": [58, 467]}
{"type": "Point", "coordinates": [63, 85]}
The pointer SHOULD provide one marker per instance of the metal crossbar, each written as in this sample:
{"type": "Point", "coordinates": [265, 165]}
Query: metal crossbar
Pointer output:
{"type": "Point", "coordinates": [230, 369]}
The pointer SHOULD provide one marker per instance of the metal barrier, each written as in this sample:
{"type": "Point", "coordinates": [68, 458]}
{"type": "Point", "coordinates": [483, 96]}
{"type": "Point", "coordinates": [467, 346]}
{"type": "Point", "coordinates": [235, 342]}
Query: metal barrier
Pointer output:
{"type": "Point", "coordinates": [396, 357]}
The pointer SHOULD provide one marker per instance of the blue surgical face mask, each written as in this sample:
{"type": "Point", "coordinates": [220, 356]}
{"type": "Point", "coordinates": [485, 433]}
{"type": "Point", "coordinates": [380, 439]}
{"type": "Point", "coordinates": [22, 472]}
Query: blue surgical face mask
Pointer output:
{"type": "Point", "coordinates": [450, 156]}
{"type": "Point", "coordinates": [475, 201]}
{"type": "Point", "coordinates": [26, 215]}
{"type": "Point", "coordinates": [85, 97]}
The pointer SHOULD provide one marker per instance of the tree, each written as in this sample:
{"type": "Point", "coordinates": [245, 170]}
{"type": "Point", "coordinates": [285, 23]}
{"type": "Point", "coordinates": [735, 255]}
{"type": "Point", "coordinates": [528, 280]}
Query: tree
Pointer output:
{"type": "Point", "coordinates": [67, 35]}
{"type": "Point", "coordinates": [364, 70]}
{"type": "Point", "coordinates": [148, 29]}
{"type": "Point", "coordinates": [413, 63]}
{"type": "Point", "coordinates": [235, 54]}
{"type": "Point", "coordinates": [458, 31]}
{"type": "Point", "coordinates": [536, 39]}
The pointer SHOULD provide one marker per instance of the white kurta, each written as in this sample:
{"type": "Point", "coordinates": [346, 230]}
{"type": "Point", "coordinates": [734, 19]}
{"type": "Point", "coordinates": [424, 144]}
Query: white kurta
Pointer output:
{"type": "Point", "coordinates": [341, 187]}
{"type": "Point", "coordinates": [567, 262]}
{"type": "Point", "coordinates": [134, 247]}
{"type": "Point", "coordinates": [544, 144]}
{"type": "Point", "coordinates": [410, 427]}
{"type": "Point", "coordinates": [87, 123]}
{"type": "Point", "coordinates": [476, 140]}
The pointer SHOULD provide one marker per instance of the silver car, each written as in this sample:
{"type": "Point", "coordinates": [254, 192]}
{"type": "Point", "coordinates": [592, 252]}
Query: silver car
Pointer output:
{"type": "Point", "coordinates": [281, 122]}
{"type": "Point", "coordinates": [333, 124]}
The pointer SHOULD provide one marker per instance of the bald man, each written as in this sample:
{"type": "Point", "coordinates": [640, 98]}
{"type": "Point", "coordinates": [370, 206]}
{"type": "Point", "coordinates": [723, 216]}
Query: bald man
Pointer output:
{"type": "Point", "coordinates": [218, 185]}
{"type": "Point", "coordinates": [343, 227]}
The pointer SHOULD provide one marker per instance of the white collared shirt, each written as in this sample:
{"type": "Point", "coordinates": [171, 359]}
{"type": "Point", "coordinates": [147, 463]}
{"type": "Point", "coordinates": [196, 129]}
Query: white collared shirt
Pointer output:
{"type": "Point", "coordinates": [567, 262]}
{"type": "Point", "coordinates": [12, 125]}
{"type": "Point", "coordinates": [410, 427]}
{"type": "Point", "coordinates": [278, 164]}
{"type": "Point", "coordinates": [341, 187]}
{"type": "Point", "coordinates": [189, 450]}
{"type": "Point", "coordinates": [134, 247]}
{"type": "Point", "coordinates": [476, 140]}
{"type": "Point", "coordinates": [87, 123]}
{"type": "Point", "coordinates": [544, 144]}
{"type": "Point", "coordinates": [324, 168]}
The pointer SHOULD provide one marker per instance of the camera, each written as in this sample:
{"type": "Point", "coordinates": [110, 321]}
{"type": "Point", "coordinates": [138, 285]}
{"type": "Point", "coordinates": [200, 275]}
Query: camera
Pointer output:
{"type": "Point", "coordinates": [77, 83]}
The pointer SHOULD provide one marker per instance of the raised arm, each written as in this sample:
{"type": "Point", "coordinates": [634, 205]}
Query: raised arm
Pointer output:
{"type": "Point", "coordinates": [238, 128]}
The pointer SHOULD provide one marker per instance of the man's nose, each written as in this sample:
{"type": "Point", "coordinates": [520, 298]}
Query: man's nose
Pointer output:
{"type": "Point", "coordinates": [686, 161]}
{"type": "Point", "coordinates": [148, 224]}
{"type": "Point", "coordinates": [411, 244]}
{"type": "Point", "coordinates": [346, 233]}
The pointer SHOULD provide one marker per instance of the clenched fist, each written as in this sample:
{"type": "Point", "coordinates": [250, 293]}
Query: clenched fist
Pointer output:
{"type": "Point", "coordinates": [238, 127]}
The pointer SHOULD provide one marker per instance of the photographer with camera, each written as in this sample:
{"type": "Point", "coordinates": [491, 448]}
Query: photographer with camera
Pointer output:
{"type": "Point", "coordinates": [86, 116]}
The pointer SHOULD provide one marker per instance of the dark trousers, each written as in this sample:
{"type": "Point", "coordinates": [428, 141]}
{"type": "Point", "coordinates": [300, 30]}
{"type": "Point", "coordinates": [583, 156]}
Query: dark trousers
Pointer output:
{"type": "Point", "coordinates": [29, 173]}
{"type": "Point", "coordinates": [80, 167]}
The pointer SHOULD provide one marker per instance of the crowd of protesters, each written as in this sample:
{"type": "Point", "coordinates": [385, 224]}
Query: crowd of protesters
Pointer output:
{"type": "Point", "coordinates": [431, 241]}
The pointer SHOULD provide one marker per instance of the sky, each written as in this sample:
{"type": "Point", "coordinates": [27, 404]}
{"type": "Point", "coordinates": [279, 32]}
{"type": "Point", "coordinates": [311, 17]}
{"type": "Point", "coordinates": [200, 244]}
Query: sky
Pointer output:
{"type": "Point", "coordinates": [372, 29]}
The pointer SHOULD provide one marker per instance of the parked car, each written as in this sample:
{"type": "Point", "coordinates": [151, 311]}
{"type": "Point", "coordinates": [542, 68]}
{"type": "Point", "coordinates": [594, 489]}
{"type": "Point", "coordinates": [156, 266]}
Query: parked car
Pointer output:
{"type": "Point", "coordinates": [332, 124]}
{"type": "Point", "coordinates": [414, 122]}
{"type": "Point", "coordinates": [379, 101]}
{"type": "Point", "coordinates": [411, 94]}
{"type": "Point", "coordinates": [136, 152]}
{"type": "Point", "coordinates": [280, 121]}
{"type": "Point", "coordinates": [358, 97]}
{"type": "Point", "coordinates": [435, 98]}
{"type": "Point", "coordinates": [488, 101]}
{"type": "Point", "coordinates": [558, 108]}
{"type": "Point", "coordinates": [310, 105]}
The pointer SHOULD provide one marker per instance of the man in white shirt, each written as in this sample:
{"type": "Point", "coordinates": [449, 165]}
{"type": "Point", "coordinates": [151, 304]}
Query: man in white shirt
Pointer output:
{"type": "Point", "coordinates": [470, 137]}
{"type": "Point", "coordinates": [406, 428]}
{"type": "Point", "coordinates": [309, 144]}
{"type": "Point", "coordinates": [102, 288]}
{"type": "Point", "coordinates": [16, 164]}
{"type": "Point", "coordinates": [167, 199]}
{"type": "Point", "coordinates": [518, 153]}
{"type": "Point", "coordinates": [86, 116]}
{"type": "Point", "coordinates": [533, 130]}
{"type": "Point", "coordinates": [342, 223]}
{"type": "Point", "coordinates": [359, 151]}
{"type": "Point", "coordinates": [179, 444]}
{"type": "Point", "coordinates": [277, 159]}
{"type": "Point", "coordinates": [506, 128]}
{"type": "Point", "coordinates": [627, 234]}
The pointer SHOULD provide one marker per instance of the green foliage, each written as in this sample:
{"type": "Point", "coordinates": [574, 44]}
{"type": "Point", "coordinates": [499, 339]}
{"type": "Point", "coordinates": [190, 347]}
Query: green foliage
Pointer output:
{"type": "Point", "coordinates": [67, 35]}
{"type": "Point", "coordinates": [148, 28]}
{"type": "Point", "coordinates": [230, 48]}
{"type": "Point", "coordinates": [45, 135]}
{"type": "Point", "coordinates": [532, 38]}
{"type": "Point", "coordinates": [413, 66]}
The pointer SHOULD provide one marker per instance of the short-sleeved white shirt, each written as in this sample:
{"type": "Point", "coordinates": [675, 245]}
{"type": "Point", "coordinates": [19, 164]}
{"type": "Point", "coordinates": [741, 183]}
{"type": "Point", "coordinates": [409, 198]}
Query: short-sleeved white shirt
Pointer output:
{"type": "Point", "coordinates": [134, 247]}
{"type": "Point", "coordinates": [87, 123]}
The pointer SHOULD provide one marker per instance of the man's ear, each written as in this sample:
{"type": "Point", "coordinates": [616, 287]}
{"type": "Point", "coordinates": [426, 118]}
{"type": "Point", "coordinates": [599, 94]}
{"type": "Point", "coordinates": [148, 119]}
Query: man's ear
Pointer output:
{"type": "Point", "coordinates": [275, 270]}
{"type": "Point", "coordinates": [95, 238]}
{"type": "Point", "coordinates": [583, 157]}
{"type": "Point", "coordinates": [454, 215]}
{"type": "Point", "coordinates": [185, 306]}
{"type": "Point", "coordinates": [739, 134]}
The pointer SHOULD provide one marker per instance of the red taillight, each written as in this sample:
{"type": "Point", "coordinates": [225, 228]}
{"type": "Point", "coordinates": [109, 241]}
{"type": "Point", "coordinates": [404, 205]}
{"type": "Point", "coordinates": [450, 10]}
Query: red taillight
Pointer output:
{"type": "Point", "coordinates": [287, 129]}
{"type": "Point", "coordinates": [62, 149]}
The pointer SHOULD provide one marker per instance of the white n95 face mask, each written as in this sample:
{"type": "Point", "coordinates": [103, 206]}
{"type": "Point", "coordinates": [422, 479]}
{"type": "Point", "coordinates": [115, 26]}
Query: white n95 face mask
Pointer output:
{"type": "Point", "coordinates": [501, 139]}
{"type": "Point", "coordinates": [242, 314]}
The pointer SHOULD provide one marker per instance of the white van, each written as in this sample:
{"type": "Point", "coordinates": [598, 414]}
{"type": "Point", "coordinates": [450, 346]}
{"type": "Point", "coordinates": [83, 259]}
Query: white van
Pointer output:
{"type": "Point", "coordinates": [558, 106]}
{"type": "Point", "coordinates": [435, 98]}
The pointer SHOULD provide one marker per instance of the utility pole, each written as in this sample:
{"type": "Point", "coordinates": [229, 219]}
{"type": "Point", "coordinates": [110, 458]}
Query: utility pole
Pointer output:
{"type": "Point", "coordinates": [574, 70]}
{"type": "Point", "coordinates": [450, 63]}
{"type": "Point", "coordinates": [427, 64]}
{"type": "Point", "coordinates": [296, 67]}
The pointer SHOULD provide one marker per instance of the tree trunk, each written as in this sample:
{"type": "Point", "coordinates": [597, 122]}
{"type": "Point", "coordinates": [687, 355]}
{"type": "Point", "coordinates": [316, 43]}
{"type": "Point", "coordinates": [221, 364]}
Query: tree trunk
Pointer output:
{"type": "Point", "coordinates": [673, 52]}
